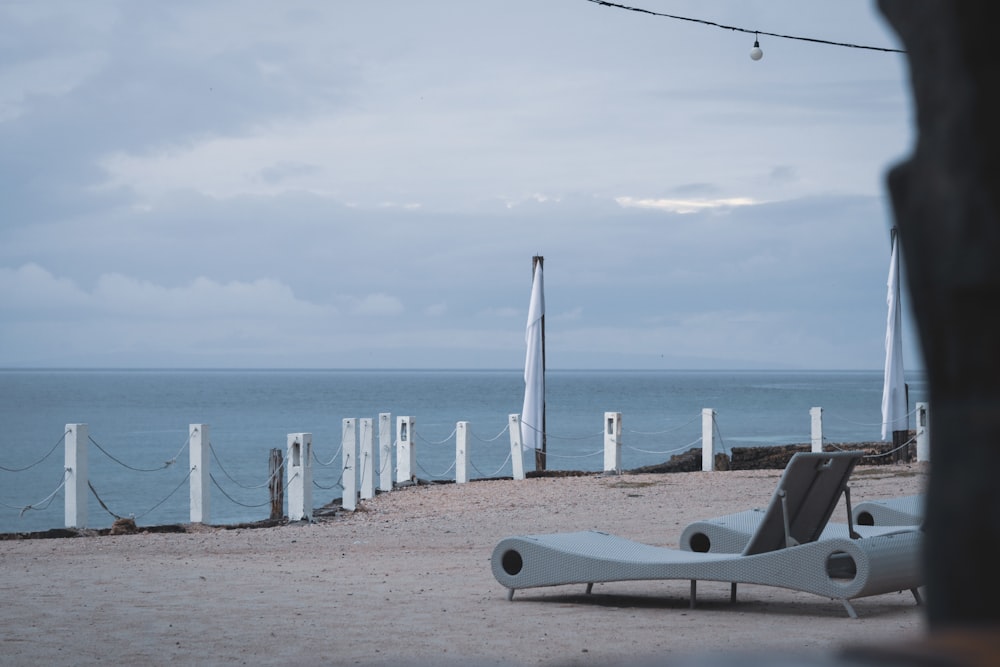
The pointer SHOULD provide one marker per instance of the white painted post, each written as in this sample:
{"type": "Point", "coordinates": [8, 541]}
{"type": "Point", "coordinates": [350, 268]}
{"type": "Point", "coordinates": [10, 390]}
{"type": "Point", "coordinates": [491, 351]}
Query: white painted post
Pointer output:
{"type": "Point", "coordinates": [385, 451]}
{"type": "Point", "coordinates": [923, 434]}
{"type": "Point", "coordinates": [367, 458]}
{"type": "Point", "coordinates": [76, 475]}
{"type": "Point", "coordinates": [516, 451]}
{"type": "Point", "coordinates": [461, 452]}
{"type": "Point", "coordinates": [349, 454]}
{"type": "Point", "coordinates": [298, 465]}
{"type": "Point", "coordinates": [707, 439]}
{"type": "Point", "coordinates": [406, 454]}
{"type": "Point", "coordinates": [199, 482]}
{"type": "Point", "coordinates": [816, 415]}
{"type": "Point", "coordinates": [612, 442]}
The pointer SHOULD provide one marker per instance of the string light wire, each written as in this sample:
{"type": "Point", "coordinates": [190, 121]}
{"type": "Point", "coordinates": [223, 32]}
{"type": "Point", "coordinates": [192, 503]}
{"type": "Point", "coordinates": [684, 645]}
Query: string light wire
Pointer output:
{"type": "Point", "coordinates": [734, 28]}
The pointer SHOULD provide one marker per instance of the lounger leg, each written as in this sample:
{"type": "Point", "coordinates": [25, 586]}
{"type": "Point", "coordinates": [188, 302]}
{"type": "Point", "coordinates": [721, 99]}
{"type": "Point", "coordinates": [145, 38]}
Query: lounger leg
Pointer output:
{"type": "Point", "coordinates": [850, 609]}
{"type": "Point", "coordinates": [916, 596]}
{"type": "Point", "coordinates": [732, 592]}
{"type": "Point", "coordinates": [850, 515]}
{"type": "Point", "coordinates": [510, 594]}
{"type": "Point", "coordinates": [590, 587]}
{"type": "Point", "coordinates": [694, 592]}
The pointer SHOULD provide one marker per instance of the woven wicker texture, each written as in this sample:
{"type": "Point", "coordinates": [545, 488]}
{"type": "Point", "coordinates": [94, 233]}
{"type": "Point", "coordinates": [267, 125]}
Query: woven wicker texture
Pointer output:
{"type": "Point", "coordinates": [808, 491]}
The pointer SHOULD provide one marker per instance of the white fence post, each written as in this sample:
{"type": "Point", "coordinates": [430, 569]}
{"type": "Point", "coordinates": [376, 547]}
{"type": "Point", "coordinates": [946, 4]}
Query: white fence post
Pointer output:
{"type": "Point", "coordinates": [612, 442]}
{"type": "Point", "coordinates": [367, 458]}
{"type": "Point", "coordinates": [406, 454]}
{"type": "Point", "coordinates": [349, 455]}
{"type": "Point", "coordinates": [199, 482]}
{"type": "Point", "coordinates": [461, 452]}
{"type": "Point", "coordinates": [298, 465]}
{"type": "Point", "coordinates": [707, 439]}
{"type": "Point", "coordinates": [516, 452]}
{"type": "Point", "coordinates": [816, 415]}
{"type": "Point", "coordinates": [76, 475]}
{"type": "Point", "coordinates": [385, 451]}
{"type": "Point", "coordinates": [923, 434]}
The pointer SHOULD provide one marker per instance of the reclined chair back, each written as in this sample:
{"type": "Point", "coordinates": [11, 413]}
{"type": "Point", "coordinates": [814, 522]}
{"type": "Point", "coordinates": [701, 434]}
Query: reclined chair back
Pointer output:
{"type": "Point", "coordinates": [807, 494]}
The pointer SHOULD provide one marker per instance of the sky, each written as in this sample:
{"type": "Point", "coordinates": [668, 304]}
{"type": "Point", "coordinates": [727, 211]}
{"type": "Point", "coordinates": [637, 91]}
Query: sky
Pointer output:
{"type": "Point", "coordinates": [306, 184]}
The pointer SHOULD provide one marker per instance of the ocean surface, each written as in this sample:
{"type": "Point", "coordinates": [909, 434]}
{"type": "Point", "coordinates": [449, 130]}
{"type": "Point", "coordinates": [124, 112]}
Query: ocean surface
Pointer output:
{"type": "Point", "coordinates": [138, 421]}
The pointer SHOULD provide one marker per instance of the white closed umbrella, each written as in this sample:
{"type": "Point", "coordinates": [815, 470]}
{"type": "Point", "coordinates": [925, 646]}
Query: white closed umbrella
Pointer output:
{"type": "Point", "coordinates": [894, 412]}
{"type": "Point", "coordinates": [533, 410]}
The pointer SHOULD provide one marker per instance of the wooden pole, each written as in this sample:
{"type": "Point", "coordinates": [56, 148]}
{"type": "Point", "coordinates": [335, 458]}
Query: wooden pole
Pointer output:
{"type": "Point", "coordinates": [901, 453]}
{"type": "Point", "coordinates": [537, 261]}
{"type": "Point", "coordinates": [276, 485]}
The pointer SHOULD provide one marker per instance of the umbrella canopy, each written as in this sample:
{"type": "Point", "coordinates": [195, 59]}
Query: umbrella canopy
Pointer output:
{"type": "Point", "coordinates": [894, 417]}
{"type": "Point", "coordinates": [533, 410]}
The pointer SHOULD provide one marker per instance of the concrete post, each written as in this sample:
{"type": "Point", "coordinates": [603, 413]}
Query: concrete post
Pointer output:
{"type": "Point", "coordinates": [298, 464]}
{"type": "Point", "coordinates": [816, 417]}
{"type": "Point", "coordinates": [384, 451]}
{"type": "Point", "coordinates": [366, 457]}
{"type": "Point", "coordinates": [612, 442]}
{"type": "Point", "coordinates": [349, 454]}
{"type": "Point", "coordinates": [199, 482]}
{"type": "Point", "coordinates": [76, 475]}
{"type": "Point", "coordinates": [406, 454]}
{"type": "Point", "coordinates": [516, 451]}
{"type": "Point", "coordinates": [462, 452]}
{"type": "Point", "coordinates": [923, 434]}
{"type": "Point", "coordinates": [707, 439]}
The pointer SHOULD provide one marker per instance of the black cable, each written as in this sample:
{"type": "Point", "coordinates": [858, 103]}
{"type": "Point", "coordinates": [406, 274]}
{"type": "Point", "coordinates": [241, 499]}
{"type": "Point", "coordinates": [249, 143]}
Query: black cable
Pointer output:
{"type": "Point", "coordinates": [746, 30]}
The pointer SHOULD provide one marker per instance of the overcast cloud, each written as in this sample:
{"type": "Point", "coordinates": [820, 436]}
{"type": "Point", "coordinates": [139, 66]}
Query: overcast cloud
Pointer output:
{"type": "Point", "coordinates": [363, 184]}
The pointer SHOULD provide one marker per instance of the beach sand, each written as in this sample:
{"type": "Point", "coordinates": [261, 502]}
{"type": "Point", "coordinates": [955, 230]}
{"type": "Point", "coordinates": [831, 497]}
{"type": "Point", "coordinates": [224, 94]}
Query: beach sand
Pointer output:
{"type": "Point", "coordinates": [406, 580]}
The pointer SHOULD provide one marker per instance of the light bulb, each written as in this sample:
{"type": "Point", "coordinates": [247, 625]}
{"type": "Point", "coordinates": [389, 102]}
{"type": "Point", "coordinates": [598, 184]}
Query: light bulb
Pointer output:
{"type": "Point", "coordinates": [755, 52]}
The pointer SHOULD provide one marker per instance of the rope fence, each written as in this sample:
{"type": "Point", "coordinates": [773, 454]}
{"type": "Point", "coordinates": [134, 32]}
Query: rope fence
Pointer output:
{"type": "Point", "coordinates": [407, 457]}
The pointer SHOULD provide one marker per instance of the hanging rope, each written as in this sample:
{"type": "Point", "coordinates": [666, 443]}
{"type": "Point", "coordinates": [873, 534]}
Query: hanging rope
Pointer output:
{"type": "Point", "coordinates": [495, 472]}
{"type": "Point", "coordinates": [880, 455]}
{"type": "Point", "coordinates": [870, 424]}
{"type": "Point", "coordinates": [573, 456]}
{"type": "Point", "coordinates": [439, 442]}
{"type": "Point", "coordinates": [244, 486]}
{"type": "Point", "coordinates": [442, 475]}
{"type": "Point", "coordinates": [41, 504]}
{"type": "Point", "coordinates": [563, 437]}
{"type": "Point", "coordinates": [336, 455]}
{"type": "Point", "coordinates": [722, 443]}
{"type": "Point", "coordinates": [682, 448]}
{"type": "Point", "coordinates": [669, 430]}
{"type": "Point", "coordinates": [166, 464]}
{"type": "Point", "coordinates": [136, 517]}
{"type": "Point", "coordinates": [497, 436]}
{"type": "Point", "coordinates": [336, 485]}
{"type": "Point", "coordinates": [233, 500]}
{"type": "Point", "coordinates": [47, 455]}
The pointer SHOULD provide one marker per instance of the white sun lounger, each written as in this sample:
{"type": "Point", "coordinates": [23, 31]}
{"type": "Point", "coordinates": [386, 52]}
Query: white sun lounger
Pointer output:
{"type": "Point", "coordinates": [783, 551]}
{"type": "Point", "coordinates": [730, 533]}
{"type": "Point", "coordinates": [902, 511]}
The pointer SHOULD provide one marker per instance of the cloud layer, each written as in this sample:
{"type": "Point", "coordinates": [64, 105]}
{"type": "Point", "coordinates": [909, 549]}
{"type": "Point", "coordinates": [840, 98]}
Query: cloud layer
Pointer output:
{"type": "Point", "coordinates": [364, 186]}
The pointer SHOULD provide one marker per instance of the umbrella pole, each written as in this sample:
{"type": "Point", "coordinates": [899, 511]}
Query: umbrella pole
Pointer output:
{"type": "Point", "coordinates": [540, 453]}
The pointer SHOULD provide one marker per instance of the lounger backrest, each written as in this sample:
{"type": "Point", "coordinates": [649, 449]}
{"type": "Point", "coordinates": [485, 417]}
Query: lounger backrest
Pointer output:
{"type": "Point", "coordinates": [812, 484]}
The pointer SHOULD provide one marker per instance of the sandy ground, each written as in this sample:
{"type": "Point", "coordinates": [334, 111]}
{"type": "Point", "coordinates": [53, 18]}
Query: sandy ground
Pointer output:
{"type": "Point", "coordinates": [406, 580]}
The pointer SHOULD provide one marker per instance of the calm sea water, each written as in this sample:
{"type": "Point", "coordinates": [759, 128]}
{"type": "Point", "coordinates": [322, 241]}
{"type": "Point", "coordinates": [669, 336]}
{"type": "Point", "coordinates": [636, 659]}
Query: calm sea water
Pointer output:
{"type": "Point", "coordinates": [141, 419]}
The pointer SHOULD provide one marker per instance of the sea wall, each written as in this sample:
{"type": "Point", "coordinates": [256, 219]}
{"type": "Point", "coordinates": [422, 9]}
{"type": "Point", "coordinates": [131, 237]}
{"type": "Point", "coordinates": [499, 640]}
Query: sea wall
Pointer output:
{"type": "Point", "coordinates": [773, 457]}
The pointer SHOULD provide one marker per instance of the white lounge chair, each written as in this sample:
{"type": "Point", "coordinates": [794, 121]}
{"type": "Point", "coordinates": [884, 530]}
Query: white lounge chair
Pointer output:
{"type": "Point", "coordinates": [783, 551]}
{"type": "Point", "coordinates": [902, 511]}
{"type": "Point", "coordinates": [730, 533]}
